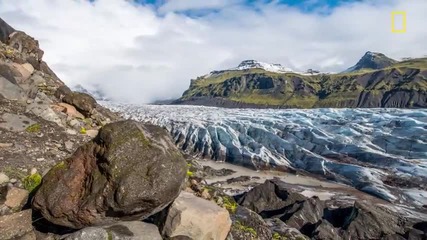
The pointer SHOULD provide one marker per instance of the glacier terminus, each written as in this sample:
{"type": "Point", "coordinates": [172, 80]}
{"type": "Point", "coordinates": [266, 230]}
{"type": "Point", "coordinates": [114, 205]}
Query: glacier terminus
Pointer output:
{"type": "Point", "coordinates": [379, 151]}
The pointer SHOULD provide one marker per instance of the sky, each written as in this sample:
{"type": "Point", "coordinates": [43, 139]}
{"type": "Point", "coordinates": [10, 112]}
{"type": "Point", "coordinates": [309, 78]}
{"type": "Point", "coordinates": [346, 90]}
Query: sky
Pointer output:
{"type": "Point", "coordinates": [145, 50]}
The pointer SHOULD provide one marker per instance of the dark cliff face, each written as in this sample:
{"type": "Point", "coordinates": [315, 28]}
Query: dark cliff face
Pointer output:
{"type": "Point", "coordinates": [5, 31]}
{"type": "Point", "coordinates": [401, 85]}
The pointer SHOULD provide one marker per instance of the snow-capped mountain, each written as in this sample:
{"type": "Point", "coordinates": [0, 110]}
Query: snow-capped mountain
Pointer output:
{"type": "Point", "coordinates": [371, 149]}
{"type": "Point", "coordinates": [271, 67]}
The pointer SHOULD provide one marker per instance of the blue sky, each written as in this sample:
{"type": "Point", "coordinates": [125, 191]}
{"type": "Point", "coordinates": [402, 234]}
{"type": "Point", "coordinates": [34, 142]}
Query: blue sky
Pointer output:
{"type": "Point", "coordinates": [302, 5]}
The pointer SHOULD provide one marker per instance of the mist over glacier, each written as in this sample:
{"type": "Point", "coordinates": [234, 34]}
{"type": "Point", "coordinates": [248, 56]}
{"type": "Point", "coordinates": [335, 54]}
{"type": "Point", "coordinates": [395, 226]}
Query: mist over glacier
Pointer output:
{"type": "Point", "coordinates": [364, 148]}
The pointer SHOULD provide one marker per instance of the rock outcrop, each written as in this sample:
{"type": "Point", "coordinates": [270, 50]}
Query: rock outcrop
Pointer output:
{"type": "Point", "coordinates": [129, 171]}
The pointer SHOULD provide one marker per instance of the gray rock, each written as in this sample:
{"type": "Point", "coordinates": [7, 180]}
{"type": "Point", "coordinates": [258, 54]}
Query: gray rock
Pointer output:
{"type": "Point", "coordinates": [41, 107]}
{"type": "Point", "coordinates": [129, 171]}
{"type": "Point", "coordinates": [69, 146]}
{"type": "Point", "coordinates": [15, 122]}
{"type": "Point", "coordinates": [244, 219]}
{"type": "Point", "coordinates": [17, 226]}
{"type": "Point", "coordinates": [3, 178]}
{"type": "Point", "coordinates": [5, 31]}
{"type": "Point", "coordinates": [11, 91]}
{"type": "Point", "coordinates": [133, 230]}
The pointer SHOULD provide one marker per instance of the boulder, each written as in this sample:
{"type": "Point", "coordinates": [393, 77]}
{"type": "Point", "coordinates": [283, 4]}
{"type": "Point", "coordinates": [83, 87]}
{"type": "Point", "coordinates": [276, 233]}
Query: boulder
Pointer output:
{"type": "Point", "coordinates": [9, 72]}
{"type": "Point", "coordinates": [71, 111]}
{"type": "Point", "coordinates": [25, 70]}
{"type": "Point", "coordinates": [17, 226]}
{"type": "Point", "coordinates": [129, 171]}
{"type": "Point", "coordinates": [249, 225]}
{"type": "Point", "coordinates": [26, 45]}
{"type": "Point", "coordinates": [5, 31]}
{"type": "Point", "coordinates": [367, 221]}
{"type": "Point", "coordinates": [267, 198]}
{"type": "Point", "coordinates": [41, 107]}
{"type": "Point", "coordinates": [279, 228]}
{"type": "Point", "coordinates": [82, 101]}
{"type": "Point", "coordinates": [132, 230]}
{"type": "Point", "coordinates": [14, 122]}
{"type": "Point", "coordinates": [11, 91]}
{"type": "Point", "coordinates": [196, 218]}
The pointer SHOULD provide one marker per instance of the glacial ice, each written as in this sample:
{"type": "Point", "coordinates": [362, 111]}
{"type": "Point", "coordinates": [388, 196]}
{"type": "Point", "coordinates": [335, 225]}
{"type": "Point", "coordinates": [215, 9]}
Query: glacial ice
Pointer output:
{"type": "Point", "coordinates": [359, 147]}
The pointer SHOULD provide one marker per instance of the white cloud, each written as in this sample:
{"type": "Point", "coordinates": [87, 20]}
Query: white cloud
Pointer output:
{"type": "Point", "coordinates": [136, 54]}
{"type": "Point", "coordinates": [185, 5]}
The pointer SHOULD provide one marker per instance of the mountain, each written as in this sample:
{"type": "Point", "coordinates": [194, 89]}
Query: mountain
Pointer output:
{"type": "Point", "coordinates": [372, 60]}
{"type": "Point", "coordinates": [97, 93]}
{"type": "Point", "coordinates": [379, 82]}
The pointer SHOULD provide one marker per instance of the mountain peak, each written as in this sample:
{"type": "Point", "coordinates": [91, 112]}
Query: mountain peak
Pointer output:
{"type": "Point", "coordinates": [271, 67]}
{"type": "Point", "coordinates": [372, 60]}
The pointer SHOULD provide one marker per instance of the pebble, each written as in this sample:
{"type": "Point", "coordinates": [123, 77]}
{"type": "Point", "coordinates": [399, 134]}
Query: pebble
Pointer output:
{"type": "Point", "coordinates": [40, 159]}
{"type": "Point", "coordinates": [69, 145]}
{"type": "Point", "coordinates": [6, 145]}
{"type": "Point", "coordinates": [33, 171]}
{"type": "Point", "coordinates": [3, 178]}
{"type": "Point", "coordinates": [13, 180]}
{"type": "Point", "coordinates": [71, 131]}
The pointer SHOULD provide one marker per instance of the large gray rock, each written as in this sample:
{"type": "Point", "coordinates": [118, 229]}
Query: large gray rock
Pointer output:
{"type": "Point", "coordinates": [129, 171]}
{"type": "Point", "coordinates": [267, 198]}
{"type": "Point", "coordinates": [191, 217]}
{"type": "Point", "coordinates": [133, 230]}
{"type": "Point", "coordinates": [14, 122]}
{"type": "Point", "coordinates": [11, 91]}
{"type": "Point", "coordinates": [41, 106]}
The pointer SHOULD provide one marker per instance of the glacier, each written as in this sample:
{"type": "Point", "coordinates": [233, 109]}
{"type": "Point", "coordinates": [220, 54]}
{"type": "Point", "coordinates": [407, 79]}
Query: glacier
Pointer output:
{"type": "Point", "coordinates": [379, 151]}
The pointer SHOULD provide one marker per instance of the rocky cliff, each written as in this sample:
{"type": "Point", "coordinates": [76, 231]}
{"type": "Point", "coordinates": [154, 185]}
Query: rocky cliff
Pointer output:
{"type": "Point", "coordinates": [376, 81]}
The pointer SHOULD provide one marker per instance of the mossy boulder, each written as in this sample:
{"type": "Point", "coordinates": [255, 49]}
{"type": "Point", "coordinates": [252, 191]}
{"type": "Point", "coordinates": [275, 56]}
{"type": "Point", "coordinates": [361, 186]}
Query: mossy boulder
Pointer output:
{"type": "Point", "coordinates": [129, 171]}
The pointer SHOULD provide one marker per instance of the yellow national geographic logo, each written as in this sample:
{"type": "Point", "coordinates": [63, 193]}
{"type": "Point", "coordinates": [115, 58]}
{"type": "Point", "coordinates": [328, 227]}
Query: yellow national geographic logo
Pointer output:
{"type": "Point", "coordinates": [394, 15]}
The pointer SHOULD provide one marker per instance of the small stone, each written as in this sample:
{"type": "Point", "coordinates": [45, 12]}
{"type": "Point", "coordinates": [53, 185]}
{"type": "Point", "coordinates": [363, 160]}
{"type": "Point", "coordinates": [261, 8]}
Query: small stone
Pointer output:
{"type": "Point", "coordinates": [29, 101]}
{"type": "Point", "coordinates": [69, 146]}
{"type": "Point", "coordinates": [40, 159]}
{"type": "Point", "coordinates": [33, 171]}
{"type": "Point", "coordinates": [206, 195]}
{"type": "Point", "coordinates": [74, 123]}
{"type": "Point", "coordinates": [71, 131]}
{"type": "Point", "coordinates": [13, 180]}
{"type": "Point", "coordinates": [6, 145]}
{"type": "Point", "coordinates": [92, 133]}
{"type": "Point", "coordinates": [3, 178]}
